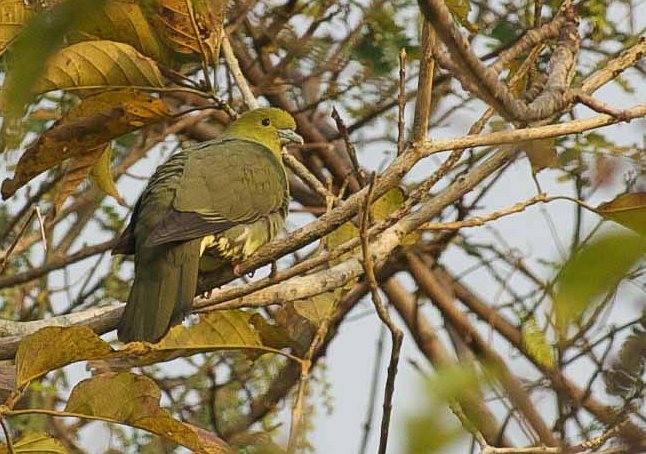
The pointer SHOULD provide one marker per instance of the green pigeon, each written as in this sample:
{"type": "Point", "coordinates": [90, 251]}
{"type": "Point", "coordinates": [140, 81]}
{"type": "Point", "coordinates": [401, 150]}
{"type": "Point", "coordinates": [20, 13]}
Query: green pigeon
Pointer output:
{"type": "Point", "coordinates": [227, 196]}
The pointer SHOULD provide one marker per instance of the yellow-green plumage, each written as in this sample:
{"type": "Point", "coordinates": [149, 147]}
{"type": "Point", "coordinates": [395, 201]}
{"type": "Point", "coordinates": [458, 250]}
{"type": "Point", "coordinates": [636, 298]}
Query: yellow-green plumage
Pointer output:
{"type": "Point", "coordinates": [210, 205]}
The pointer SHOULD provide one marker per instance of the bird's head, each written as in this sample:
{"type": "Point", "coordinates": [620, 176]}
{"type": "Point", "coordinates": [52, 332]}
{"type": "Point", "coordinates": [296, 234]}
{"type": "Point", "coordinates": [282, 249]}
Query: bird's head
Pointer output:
{"type": "Point", "coordinates": [269, 126]}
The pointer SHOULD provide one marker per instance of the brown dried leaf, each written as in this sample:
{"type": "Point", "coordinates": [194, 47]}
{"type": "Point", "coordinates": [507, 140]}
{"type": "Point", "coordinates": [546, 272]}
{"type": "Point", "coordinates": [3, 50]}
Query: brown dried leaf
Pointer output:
{"type": "Point", "coordinates": [53, 347]}
{"type": "Point", "coordinates": [172, 19]}
{"type": "Point", "coordinates": [98, 63]}
{"type": "Point", "coordinates": [541, 154]}
{"type": "Point", "coordinates": [122, 21]}
{"type": "Point", "coordinates": [87, 126]}
{"type": "Point", "coordinates": [34, 442]}
{"type": "Point", "coordinates": [134, 400]}
{"type": "Point", "coordinates": [628, 210]}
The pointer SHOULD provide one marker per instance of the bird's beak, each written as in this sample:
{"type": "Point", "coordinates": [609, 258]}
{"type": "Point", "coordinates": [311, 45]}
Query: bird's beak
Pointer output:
{"type": "Point", "coordinates": [288, 136]}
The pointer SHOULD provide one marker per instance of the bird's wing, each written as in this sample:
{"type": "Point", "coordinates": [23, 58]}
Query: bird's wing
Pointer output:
{"type": "Point", "coordinates": [223, 184]}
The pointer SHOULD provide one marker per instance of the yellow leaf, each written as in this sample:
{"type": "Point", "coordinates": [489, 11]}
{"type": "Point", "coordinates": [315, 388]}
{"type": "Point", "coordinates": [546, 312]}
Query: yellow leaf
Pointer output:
{"type": "Point", "coordinates": [33, 442]}
{"type": "Point", "coordinates": [122, 21]}
{"type": "Point", "coordinates": [86, 127]}
{"type": "Point", "coordinates": [628, 210]}
{"type": "Point", "coordinates": [134, 400]}
{"type": "Point", "coordinates": [219, 330]}
{"type": "Point", "coordinates": [319, 308]}
{"type": "Point", "coordinates": [98, 63]}
{"type": "Point", "coordinates": [345, 232]}
{"type": "Point", "coordinates": [101, 175]}
{"type": "Point", "coordinates": [541, 154]}
{"type": "Point", "coordinates": [53, 347]}
{"type": "Point", "coordinates": [388, 203]}
{"type": "Point", "coordinates": [534, 341]}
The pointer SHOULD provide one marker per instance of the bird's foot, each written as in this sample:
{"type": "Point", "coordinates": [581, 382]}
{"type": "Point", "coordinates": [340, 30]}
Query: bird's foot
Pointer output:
{"type": "Point", "coordinates": [237, 270]}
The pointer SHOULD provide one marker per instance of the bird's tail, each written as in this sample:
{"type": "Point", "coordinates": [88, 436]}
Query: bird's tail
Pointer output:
{"type": "Point", "coordinates": [162, 292]}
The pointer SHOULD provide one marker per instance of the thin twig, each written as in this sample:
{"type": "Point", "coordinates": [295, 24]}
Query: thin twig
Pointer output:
{"type": "Point", "coordinates": [296, 430]}
{"type": "Point", "coordinates": [481, 220]}
{"type": "Point", "coordinates": [304, 174]}
{"type": "Point", "coordinates": [372, 393]}
{"type": "Point", "coordinates": [42, 227]}
{"type": "Point", "coordinates": [401, 102]}
{"type": "Point", "coordinates": [395, 332]}
{"type": "Point", "coordinates": [349, 147]}
{"type": "Point", "coordinates": [204, 60]}
{"type": "Point", "coordinates": [5, 259]}
{"type": "Point", "coordinates": [238, 76]}
{"type": "Point", "coordinates": [7, 435]}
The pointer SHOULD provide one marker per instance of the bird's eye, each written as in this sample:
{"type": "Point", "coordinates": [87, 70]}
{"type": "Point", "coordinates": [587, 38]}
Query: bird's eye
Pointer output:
{"type": "Point", "coordinates": [265, 122]}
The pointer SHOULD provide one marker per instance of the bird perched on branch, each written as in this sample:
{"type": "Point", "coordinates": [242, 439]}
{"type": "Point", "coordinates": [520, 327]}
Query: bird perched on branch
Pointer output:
{"type": "Point", "coordinates": [228, 196]}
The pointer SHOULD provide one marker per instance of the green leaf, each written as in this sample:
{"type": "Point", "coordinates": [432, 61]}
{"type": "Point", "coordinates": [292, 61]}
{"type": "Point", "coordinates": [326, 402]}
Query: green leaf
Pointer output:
{"type": "Point", "coordinates": [628, 210]}
{"type": "Point", "coordinates": [505, 32]}
{"type": "Point", "coordinates": [592, 272]}
{"type": "Point", "coordinates": [534, 342]}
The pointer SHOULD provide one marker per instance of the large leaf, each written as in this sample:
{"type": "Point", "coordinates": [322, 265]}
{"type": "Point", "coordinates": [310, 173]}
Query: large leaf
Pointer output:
{"type": "Point", "coordinates": [592, 272]}
{"type": "Point", "coordinates": [98, 63]}
{"type": "Point", "coordinates": [134, 400]}
{"type": "Point", "coordinates": [84, 129]}
{"type": "Point", "coordinates": [34, 442]}
{"type": "Point", "coordinates": [628, 210]}
{"type": "Point", "coordinates": [53, 347]}
{"type": "Point", "coordinates": [218, 330]}
{"type": "Point", "coordinates": [122, 21]}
